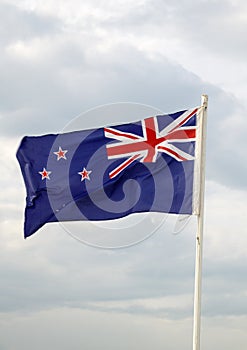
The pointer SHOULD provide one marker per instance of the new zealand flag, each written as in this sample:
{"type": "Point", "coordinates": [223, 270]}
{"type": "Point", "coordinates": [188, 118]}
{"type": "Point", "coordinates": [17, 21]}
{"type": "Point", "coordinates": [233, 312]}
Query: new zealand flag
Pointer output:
{"type": "Point", "coordinates": [111, 172]}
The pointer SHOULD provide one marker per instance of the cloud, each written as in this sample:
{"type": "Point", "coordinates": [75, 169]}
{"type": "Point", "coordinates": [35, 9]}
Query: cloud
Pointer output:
{"type": "Point", "coordinates": [66, 327]}
{"type": "Point", "coordinates": [47, 80]}
{"type": "Point", "coordinates": [224, 252]}
{"type": "Point", "coordinates": [77, 328]}
{"type": "Point", "coordinates": [43, 93]}
{"type": "Point", "coordinates": [41, 275]}
{"type": "Point", "coordinates": [19, 24]}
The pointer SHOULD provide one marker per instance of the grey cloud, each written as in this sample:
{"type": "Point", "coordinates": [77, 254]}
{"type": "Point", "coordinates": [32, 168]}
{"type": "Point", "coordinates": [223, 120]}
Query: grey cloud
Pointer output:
{"type": "Point", "coordinates": [64, 327]}
{"type": "Point", "coordinates": [18, 24]}
{"type": "Point", "coordinates": [214, 25]}
{"type": "Point", "coordinates": [44, 93]}
{"type": "Point", "coordinates": [221, 298]}
{"type": "Point", "coordinates": [40, 96]}
{"type": "Point", "coordinates": [37, 96]}
{"type": "Point", "coordinates": [52, 270]}
{"type": "Point", "coordinates": [34, 278]}
{"type": "Point", "coordinates": [177, 312]}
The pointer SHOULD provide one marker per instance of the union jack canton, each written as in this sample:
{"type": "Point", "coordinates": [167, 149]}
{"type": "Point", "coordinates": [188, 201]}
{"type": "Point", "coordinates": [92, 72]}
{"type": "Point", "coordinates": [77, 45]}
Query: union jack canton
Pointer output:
{"type": "Point", "coordinates": [145, 148]}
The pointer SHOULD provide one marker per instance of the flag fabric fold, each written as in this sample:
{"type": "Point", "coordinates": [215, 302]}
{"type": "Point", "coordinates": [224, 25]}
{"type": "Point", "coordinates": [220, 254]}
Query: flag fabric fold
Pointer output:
{"type": "Point", "coordinates": [111, 172]}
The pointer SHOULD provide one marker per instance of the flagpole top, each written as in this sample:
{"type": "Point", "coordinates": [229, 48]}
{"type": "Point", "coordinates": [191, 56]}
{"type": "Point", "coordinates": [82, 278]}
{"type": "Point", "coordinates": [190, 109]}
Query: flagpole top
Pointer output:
{"type": "Point", "coordinates": [204, 100]}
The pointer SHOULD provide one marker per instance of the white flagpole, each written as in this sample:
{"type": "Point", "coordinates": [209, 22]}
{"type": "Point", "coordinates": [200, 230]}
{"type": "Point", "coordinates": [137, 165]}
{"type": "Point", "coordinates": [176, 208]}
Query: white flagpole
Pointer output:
{"type": "Point", "coordinates": [199, 236]}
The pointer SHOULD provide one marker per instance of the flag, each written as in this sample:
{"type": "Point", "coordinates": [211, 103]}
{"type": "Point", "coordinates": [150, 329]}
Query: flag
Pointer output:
{"type": "Point", "coordinates": [110, 172]}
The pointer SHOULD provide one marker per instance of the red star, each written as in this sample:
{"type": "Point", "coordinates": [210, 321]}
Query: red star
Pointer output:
{"type": "Point", "coordinates": [45, 174]}
{"type": "Point", "coordinates": [60, 153]}
{"type": "Point", "coordinates": [85, 174]}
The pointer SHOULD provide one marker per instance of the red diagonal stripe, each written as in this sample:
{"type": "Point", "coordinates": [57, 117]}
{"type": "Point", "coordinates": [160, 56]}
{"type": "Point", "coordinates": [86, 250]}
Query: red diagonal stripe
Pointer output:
{"type": "Point", "coordinates": [118, 133]}
{"type": "Point", "coordinates": [181, 134]}
{"type": "Point", "coordinates": [168, 150]}
{"type": "Point", "coordinates": [185, 119]}
{"type": "Point", "coordinates": [124, 165]}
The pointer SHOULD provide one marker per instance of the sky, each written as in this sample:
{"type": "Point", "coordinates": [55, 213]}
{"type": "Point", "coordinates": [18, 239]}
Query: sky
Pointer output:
{"type": "Point", "coordinates": [60, 59]}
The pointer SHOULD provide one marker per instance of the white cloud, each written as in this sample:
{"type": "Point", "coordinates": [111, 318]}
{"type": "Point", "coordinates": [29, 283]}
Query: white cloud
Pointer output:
{"type": "Point", "coordinates": [225, 210]}
{"type": "Point", "coordinates": [66, 327]}
{"type": "Point", "coordinates": [29, 51]}
{"type": "Point", "coordinates": [224, 332]}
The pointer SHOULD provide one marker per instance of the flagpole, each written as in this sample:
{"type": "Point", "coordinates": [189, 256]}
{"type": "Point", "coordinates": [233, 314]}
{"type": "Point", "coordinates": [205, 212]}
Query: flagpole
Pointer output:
{"type": "Point", "coordinates": [199, 235]}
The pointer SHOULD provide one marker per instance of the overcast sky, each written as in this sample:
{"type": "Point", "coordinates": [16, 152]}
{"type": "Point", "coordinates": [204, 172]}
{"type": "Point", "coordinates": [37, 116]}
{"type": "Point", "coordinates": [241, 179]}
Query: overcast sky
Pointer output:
{"type": "Point", "coordinates": [58, 60]}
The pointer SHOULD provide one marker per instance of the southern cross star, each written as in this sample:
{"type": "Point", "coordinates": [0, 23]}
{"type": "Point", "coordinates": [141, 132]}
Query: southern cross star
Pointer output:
{"type": "Point", "coordinates": [61, 153]}
{"type": "Point", "coordinates": [45, 174]}
{"type": "Point", "coordinates": [85, 174]}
